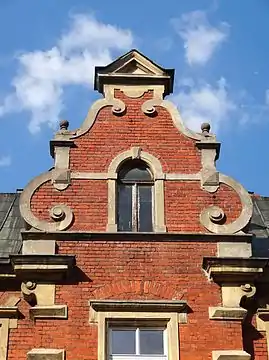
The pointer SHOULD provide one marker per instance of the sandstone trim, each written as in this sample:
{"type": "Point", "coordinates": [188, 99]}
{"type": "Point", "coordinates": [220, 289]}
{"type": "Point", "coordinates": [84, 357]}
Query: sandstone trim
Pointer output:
{"type": "Point", "coordinates": [104, 311]}
{"type": "Point", "coordinates": [148, 107]}
{"type": "Point", "coordinates": [48, 312]}
{"type": "Point", "coordinates": [118, 108]}
{"type": "Point", "coordinates": [208, 215]}
{"type": "Point", "coordinates": [48, 354]}
{"type": "Point", "coordinates": [227, 313]}
{"type": "Point", "coordinates": [156, 168]}
{"type": "Point", "coordinates": [230, 355]}
{"type": "Point", "coordinates": [66, 213]}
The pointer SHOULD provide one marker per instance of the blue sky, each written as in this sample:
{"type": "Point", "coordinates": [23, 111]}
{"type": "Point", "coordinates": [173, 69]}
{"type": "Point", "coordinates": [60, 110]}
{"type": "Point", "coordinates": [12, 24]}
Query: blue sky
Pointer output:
{"type": "Point", "coordinates": [218, 48]}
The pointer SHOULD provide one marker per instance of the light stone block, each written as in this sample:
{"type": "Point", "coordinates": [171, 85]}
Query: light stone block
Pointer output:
{"type": "Point", "coordinates": [46, 354]}
{"type": "Point", "coordinates": [230, 355]}
{"type": "Point", "coordinates": [237, 249]}
{"type": "Point", "coordinates": [39, 247]}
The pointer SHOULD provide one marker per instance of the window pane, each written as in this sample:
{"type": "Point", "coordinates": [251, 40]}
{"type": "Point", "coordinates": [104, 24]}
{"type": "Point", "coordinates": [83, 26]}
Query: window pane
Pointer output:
{"type": "Point", "coordinates": [124, 207]}
{"type": "Point", "coordinates": [145, 208]}
{"type": "Point", "coordinates": [123, 341]}
{"type": "Point", "coordinates": [137, 174]}
{"type": "Point", "coordinates": [135, 170]}
{"type": "Point", "coordinates": [151, 342]}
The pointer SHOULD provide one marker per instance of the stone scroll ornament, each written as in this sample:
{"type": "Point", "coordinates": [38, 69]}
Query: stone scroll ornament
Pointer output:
{"type": "Point", "coordinates": [61, 214]}
{"type": "Point", "coordinates": [213, 217]}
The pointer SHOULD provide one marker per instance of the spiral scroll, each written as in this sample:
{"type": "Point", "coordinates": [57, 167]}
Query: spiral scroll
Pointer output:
{"type": "Point", "coordinates": [60, 213]}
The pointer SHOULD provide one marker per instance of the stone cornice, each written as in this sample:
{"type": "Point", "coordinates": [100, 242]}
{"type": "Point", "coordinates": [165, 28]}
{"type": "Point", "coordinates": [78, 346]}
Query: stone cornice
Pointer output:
{"type": "Point", "coordinates": [42, 266]}
{"type": "Point", "coordinates": [222, 269]}
{"type": "Point", "coordinates": [9, 312]}
{"type": "Point", "coordinates": [135, 236]}
{"type": "Point", "coordinates": [139, 305]}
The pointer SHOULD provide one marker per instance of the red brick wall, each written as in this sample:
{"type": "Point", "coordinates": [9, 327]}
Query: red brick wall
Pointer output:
{"type": "Point", "coordinates": [111, 135]}
{"type": "Point", "coordinates": [132, 269]}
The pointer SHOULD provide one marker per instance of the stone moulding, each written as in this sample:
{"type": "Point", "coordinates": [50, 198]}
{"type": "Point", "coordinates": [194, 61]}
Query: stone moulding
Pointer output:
{"type": "Point", "coordinates": [60, 223]}
{"type": "Point", "coordinates": [154, 164]}
{"type": "Point", "coordinates": [48, 312]}
{"type": "Point", "coordinates": [234, 269]}
{"type": "Point", "coordinates": [10, 312]}
{"type": "Point", "coordinates": [148, 108]}
{"type": "Point", "coordinates": [230, 355]}
{"type": "Point", "coordinates": [41, 266]}
{"type": "Point", "coordinates": [139, 305]}
{"type": "Point", "coordinates": [208, 217]}
{"type": "Point", "coordinates": [48, 354]}
{"type": "Point", "coordinates": [118, 108]}
{"type": "Point", "coordinates": [227, 313]}
{"type": "Point", "coordinates": [135, 236]}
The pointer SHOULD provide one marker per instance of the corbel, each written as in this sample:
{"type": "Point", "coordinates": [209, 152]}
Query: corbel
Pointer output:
{"type": "Point", "coordinates": [210, 153]}
{"type": "Point", "coordinates": [48, 354]}
{"type": "Point", "coordinates": [237, 277]}
{"type": "Point", "coordinates": [39, 268]}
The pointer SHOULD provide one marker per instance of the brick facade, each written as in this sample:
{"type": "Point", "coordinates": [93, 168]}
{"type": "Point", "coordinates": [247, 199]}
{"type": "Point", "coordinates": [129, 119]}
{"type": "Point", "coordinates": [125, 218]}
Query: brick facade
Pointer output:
{"type": "Point", "coordinates": [138, 267]}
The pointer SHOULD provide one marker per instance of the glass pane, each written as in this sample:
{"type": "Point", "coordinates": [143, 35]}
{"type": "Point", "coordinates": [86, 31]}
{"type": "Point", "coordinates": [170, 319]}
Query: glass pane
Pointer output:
{"type": "Point", "coordinates": [123, 341]}
{"type": "Point", "coordinates": [151, 342]}
{"type": "Point", "coordinates": [135, 170]}
{"type": "Point", "coordinates": [145, 208]}
{"type": "Point", "coordinates": [124, 208]}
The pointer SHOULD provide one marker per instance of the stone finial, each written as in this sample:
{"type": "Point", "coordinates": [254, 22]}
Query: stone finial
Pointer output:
{"type": "Point", "coordinates": [205, 127]}
{"type": "Point", "coordinates": [64, 124]}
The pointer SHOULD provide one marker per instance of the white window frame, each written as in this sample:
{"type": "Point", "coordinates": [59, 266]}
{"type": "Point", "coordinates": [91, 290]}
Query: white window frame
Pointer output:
{"type": "Point", "coordinates": [164, 313]}
{"type": "Point", "coordinates": [137, 354]}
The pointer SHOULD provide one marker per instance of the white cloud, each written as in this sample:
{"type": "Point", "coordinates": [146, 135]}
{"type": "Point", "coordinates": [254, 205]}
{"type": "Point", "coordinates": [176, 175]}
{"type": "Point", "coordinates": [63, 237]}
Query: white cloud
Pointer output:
{"type": "Point", "coordinates": [5, 161]}
{"type": "Point", "coordinates": [201, 39]}
{"type": "Point", "coordinates": [204, 102]}
{"type": "Point", "coordinates": [42, 75]}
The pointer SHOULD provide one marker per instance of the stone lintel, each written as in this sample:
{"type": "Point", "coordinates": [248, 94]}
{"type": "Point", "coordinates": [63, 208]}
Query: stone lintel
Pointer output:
{"type": "Point", "coordinates": [9, 312]}
{"type": "Point", "coordinates": [48, 354]}
{"type": "Point", "coordinates": [48, 312]}
{"type": "Point", "coordinates": [227, 313]}
{"type": "Point", "coordinates": [230, 355]}
{"type": "Point", "coordinates": [139, 305]}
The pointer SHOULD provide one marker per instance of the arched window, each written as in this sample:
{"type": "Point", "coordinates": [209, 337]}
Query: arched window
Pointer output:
{"type": "Point", "coordinates": [134, 202]}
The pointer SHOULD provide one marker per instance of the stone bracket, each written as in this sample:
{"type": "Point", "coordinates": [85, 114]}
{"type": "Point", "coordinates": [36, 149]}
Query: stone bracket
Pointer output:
{"type": "Point", "coordinates": [48, 354]}
{"type": "Point", "coordinates": [230, 355]}
{"type": "Point", "coordinates": [227, 313]}
{"type": "Point", "coordinates": [48, 312]}
{"type": "Point", "coordinates": [39, 266]}
{"type": "Point", "coordinates": [227, 269]}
